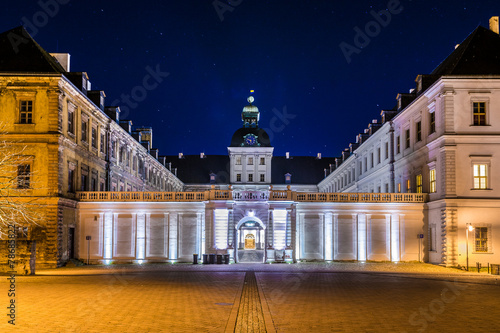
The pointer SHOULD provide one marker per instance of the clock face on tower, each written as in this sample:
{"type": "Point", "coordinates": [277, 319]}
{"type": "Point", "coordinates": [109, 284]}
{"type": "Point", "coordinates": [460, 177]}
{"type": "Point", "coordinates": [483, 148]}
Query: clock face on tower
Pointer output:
{"type": "Point", "coordinates": [250, 140]}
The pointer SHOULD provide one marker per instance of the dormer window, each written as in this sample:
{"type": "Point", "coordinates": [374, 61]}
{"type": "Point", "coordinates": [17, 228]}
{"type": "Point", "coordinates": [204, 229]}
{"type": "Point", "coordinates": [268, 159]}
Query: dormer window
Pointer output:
{"type": "Point", "coordinates": [288, 178]}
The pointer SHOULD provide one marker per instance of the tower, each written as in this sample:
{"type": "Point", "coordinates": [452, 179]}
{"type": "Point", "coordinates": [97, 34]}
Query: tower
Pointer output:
{"type": "Point", "coordinates": [250, 152]}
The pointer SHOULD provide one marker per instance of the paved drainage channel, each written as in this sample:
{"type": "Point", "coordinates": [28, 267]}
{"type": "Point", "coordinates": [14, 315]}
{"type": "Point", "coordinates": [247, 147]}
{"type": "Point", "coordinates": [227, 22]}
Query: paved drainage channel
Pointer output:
{"type": "Point", "coordinates": [250, 316]}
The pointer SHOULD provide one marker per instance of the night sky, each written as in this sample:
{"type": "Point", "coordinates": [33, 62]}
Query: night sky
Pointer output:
{"type": "Point", "coordinates": [310, 97]}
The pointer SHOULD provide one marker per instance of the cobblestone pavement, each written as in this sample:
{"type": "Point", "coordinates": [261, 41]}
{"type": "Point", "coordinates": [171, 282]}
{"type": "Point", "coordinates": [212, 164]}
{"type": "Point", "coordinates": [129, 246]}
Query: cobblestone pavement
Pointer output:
{"type": "Point", "coordinates": [250, 316]}
{"type": "Point", "coordinates": [312, 297]}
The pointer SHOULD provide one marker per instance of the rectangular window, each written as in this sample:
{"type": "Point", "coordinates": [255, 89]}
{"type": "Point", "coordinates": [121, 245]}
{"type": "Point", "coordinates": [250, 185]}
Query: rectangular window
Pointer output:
{"type": "Point", "coordinates": [71, 180]}
{"type": "Point", "coordinates": [480, 176]}
{"type": "Point", "coordinates": [479, 113]}
{"type": "Point", "coordinates": [250, 161]}
{"type": "Point", "coordinates": [26, 112]}
{"type": "Point", "coordinates": [398, 144]}
{"type": "Point", "coordinates": [113, 148]}
{"type": "Point", "coordinates": [103, 142]}
{"type": "Point", "coordinates": [262, 177]}
{"type": "Point", "coordinates": [481, 239]}
{"type": "Point", "coordinates": [407, 138]}
{"type": "Point", "coordinates": [84, 184]}
{"type": "Point", "coordinates": [366, 164]}
{"type": "Point", "coordinates": [371, 159]}
{"type": "Point", "coordinates": [93, 184]}
{"type": "Point", "coordinates": [418, 134]}
{"type": "Point", "coordinates": [250, 177]}
{"type": "Point", "coordinates": [238, 160]}
{"type": "Point", "coordinates": [432, 122]}
{"type": "Point", "coordinates": [399, 187]}
{"type": "Point", "coordinates": [408, 186]}
{"type": "Point", "coordinates": [94, 137]}
{"type": "Point", "coordinates": [418, 181]}
{"type": "Point", "coordinates": [432, 181]}
{"type": "Point", "coordinates": [71, 121]}
{"type": "Point", "coordinates": [84, 130]}
{"type": "Point", "coordinates": [386, 150]}
{"type": "Point", "coordinates": [23, 176]}
{"type": "Point", "coordinates": [238, 177]}
{"type": "Point", "coordinates": [262, 161]}
{"type": "Point", "coordinates": [378, 156]}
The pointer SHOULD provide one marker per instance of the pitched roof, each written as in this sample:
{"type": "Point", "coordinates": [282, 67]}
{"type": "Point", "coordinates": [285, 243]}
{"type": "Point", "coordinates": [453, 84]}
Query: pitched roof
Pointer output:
{"type": "Point", "coordinates": [478, 54]}
{"type": "Point", "coordinates": [20, 53]}
{"type": "Point", "coordinates": [192, 169]}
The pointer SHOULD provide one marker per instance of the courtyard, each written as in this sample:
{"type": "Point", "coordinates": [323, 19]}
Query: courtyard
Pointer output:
{"type": "Point", "coordinates": [303, 297]}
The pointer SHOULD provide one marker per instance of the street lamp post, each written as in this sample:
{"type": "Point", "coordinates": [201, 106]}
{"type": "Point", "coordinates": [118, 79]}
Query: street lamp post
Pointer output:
{"type": "Point", "coordinates": [468, 228]}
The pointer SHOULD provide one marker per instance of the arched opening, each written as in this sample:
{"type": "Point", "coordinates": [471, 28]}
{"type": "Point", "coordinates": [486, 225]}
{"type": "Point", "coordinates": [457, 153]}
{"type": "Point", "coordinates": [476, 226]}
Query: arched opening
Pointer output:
{"type": "Point", "coordinates": [250, 244]}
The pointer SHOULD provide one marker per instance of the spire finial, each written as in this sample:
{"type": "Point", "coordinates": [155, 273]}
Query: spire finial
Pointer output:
{"type": "Point", "coordinates": [250, 99]}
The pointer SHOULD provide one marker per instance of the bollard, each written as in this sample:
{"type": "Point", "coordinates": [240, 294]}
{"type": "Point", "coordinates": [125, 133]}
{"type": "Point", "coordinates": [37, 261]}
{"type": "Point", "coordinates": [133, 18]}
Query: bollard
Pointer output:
{"type": "Point", "coordinates": [211, 257]}
{"type": "Point", "coordinates": [226, 259]}
{"type": "Point", "coordinates": [205, 259]}
{"type": "Point", "coordinates": [195, 259]}
{"type": "Point", "coordinates": [219, 259]}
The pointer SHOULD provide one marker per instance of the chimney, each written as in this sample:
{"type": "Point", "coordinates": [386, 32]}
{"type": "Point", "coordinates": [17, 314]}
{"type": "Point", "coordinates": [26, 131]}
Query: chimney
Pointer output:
{"type": "Point", "coordinates": [97, 97]}
{"type": "Point", "coordinates": [62, 59]}
{"type": "Point", "coordinates": [169, 166]}
{"type": "Point", "coordinates": [181, 155]}
{"type": "Point", "coordinates": [202, 155]}
{"type": "Point", "coordinates": [494, 24]}
{"type": "Point", "coordinates": [287, 155]}
{"type": "Point", "coordinates": [318, 157]}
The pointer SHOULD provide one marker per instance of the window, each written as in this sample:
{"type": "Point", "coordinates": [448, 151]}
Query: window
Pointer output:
{"type": "Point", "coordinates": [84, 130]}
{"type": "Point", "coordinates": [408, 186]}
{"type": "Point", "coordinates": [407, 138]}
{"type": "Point", "coordinates": [480, 176]}
{"type": "Point", "coordinates": [94, 137]}
{"type": "Point", "coordinates": [386, 188]}
{"type": "Point", "coordinates": [93, 184]}
{"type": "Point", "coordinates": [71, 178]}
{"type": "Point", "coordinates": [432, 181]}
{"type": "Point", "coordinates": [371, 159]}
{"type": "Point", "coordinates": [418, 181]}
{"type": "Point", "coordinates": [479, 113]}
{"type": "Point", "coordinates": [366, 164]}
{"type": "Point", "coordinates": [250, 177]}
{"type": "Point", "coordinates": [113, 148]}
{"type": "Point", "coordinates": [23, 176]}
{"type": "Point", "coordinates": [432, 122]}
{"type": "Point", "coordinates": [481, 239]}
{"type": "Point", "coordinates": [262, 177]}
{"type": "Point", "coordinates": [238, 177]}
{"type": "Point", "coordinates": [101, 185]}
{"type": "Point", "coordinates": [71, 120]}
{"type": "Point", "coordinates": [26, 112]}
{"type": "Point", "coordinates": [399, 187]}
{"type": "Point", "coordinates": [378, 156]}
{"type": "Point", "coordinates": [103, 142]}
{"type": "Point", "coordinates": [398, 144]}
{"type": "Point", "coordinates": [250, 161]}
{"type": "Point", "coordinates": [238, 160]}
{"type": "Point", "coordinates": [386, 150]}
{"type": "Point", "coordinates": [84, 184]}
{"type": "Point", "coordinates": [262, 161]}
{"type": "Point", "coordinates": [418, 134]}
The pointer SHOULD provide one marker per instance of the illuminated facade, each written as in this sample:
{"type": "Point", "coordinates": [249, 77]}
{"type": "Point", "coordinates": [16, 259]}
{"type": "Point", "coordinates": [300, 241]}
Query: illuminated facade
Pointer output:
{"type": "Point", "coordinates": [405, 190]}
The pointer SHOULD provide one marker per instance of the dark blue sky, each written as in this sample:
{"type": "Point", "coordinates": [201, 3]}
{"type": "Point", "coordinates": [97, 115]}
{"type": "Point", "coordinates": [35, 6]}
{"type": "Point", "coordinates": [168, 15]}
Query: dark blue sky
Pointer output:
{"type": "Point", "coordinates": [286, 50]}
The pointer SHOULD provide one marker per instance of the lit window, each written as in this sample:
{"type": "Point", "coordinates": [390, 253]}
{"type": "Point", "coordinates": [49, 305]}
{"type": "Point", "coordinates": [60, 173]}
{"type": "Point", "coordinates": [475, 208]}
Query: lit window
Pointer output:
{"type": "Point", "coordinates": [238, 177]}
{"type": "Point", "coordinates": [418, 134]}
{"type": "Point", "coordinates": [23, 176]}
{"type": "Point", "coordinates": [26, 112]}
{"type": "Point", "coordinates": [399, 187]}
{"type": "Point", "coordinates": [407, 138]}
{"type": "Point", "coordinates": [262, 161]}
{"type": "Point", "coordinates": [479, 113]}
{"type": "Point", "coordinates": [480, 176]}
{"type": "Point", "coordinates": [262, 177]}
{"type": "Point", "coordinates": [432, 181]}
{"type": "Point", "coordinates": [418, 181]}
{"type": "Point", "coordinates": [432, 123]}
{"type": "Point", "coordinates": [250, 161]}
{"type": "Point", "coordinates": [408, 186]}
{"type": "Point", "coordinates": [481, 239]}
{"type": "Point", "coordinates": [250, 177]}
{"type": "Point", "coordinates": [238, 160]}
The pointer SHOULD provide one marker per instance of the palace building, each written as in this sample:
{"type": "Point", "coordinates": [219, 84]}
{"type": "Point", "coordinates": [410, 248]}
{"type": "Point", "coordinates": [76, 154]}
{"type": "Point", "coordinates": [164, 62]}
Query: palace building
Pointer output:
{"type": "Point", "coordinates": [419, 184]}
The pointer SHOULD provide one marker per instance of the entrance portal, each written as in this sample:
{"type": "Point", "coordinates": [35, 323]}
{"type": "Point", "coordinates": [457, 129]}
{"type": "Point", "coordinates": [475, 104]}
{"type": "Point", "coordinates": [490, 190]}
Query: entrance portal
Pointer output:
{"type": "Point", "coordinates": [250, 240]}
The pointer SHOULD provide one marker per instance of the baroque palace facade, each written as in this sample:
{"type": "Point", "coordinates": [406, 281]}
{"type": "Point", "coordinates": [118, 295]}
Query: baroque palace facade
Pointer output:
{"type": "Point", "coordinates": [412, 187]}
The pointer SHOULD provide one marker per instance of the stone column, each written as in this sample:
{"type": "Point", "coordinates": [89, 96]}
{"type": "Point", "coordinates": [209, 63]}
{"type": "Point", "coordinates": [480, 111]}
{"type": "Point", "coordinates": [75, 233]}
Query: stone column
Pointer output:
{"type": "Point", "coordinates": [173, 224]}
{"type": "Point", "coordinates": [395, 241]}
{"type": "Point", "coordinates": [361, 237]}
{"type": "Point", "coordinates": [328, 249]}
